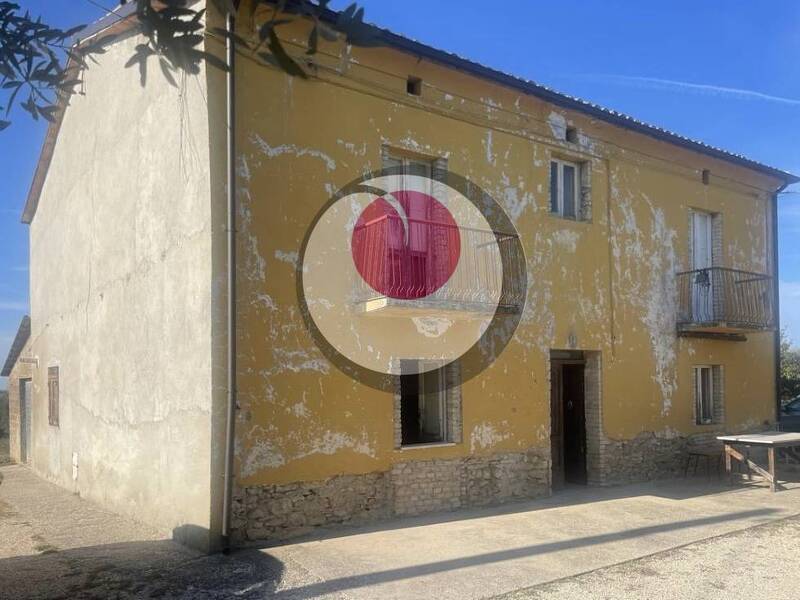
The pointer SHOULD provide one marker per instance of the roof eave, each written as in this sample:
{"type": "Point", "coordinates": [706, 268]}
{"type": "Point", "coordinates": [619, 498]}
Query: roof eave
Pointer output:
{"type": "Point", "coordinates": [112, 24]}
{"type": "Point", "coordinates": [120, 20]}
{"type": "Point", "coordinates": [569, 102]}
{"type": "Point", "coordinates": [23, 334]}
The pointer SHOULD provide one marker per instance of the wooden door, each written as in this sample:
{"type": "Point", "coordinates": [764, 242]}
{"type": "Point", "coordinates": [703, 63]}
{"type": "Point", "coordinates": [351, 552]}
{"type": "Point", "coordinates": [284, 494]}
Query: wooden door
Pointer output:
{"type": "Point", "coordinates": [574, 423]}
{"type": "Point", "coordinates": [556, 425]}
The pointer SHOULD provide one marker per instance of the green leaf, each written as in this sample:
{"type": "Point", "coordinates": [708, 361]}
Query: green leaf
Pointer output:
{"type": "Point", "coordinates": [346, 14]}
{"type": "Point", "coordinates": [48, 112]}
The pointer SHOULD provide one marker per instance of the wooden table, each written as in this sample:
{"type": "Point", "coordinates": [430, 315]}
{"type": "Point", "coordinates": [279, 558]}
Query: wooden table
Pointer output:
{"type": "Point", "coordinates": [771, 440]}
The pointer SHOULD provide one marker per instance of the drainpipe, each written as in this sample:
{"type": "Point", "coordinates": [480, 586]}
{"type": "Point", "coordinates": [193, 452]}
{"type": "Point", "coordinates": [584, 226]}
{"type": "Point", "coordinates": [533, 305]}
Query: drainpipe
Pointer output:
{"type": "Point", "coordinates": [776, 303]}
{"type": "Point", "coordinates": [230, 49]}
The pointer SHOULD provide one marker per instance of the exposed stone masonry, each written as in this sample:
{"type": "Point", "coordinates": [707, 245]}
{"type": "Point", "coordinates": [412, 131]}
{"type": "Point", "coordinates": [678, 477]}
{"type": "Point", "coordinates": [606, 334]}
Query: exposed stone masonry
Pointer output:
{"type": "Point", "coordinates": [416, 487]}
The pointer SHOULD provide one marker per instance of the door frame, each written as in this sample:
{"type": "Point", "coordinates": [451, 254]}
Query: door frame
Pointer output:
{"type": "Point", "coordinates": [558, 419]}
{"type": "Point", "coordinates": [702, 284]}
{"type": "Point", "coordinates": [25, 419]}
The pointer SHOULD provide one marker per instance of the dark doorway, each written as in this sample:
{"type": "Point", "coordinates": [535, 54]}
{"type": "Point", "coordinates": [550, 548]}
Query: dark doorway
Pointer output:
{"type": "Point", "coordinates": [568, 421]}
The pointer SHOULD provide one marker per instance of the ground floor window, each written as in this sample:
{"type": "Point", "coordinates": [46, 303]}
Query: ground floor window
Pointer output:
{"type": "Point", "coordinates": [708, 394]}
{"type": "Point", "coordinates": [429, 403]}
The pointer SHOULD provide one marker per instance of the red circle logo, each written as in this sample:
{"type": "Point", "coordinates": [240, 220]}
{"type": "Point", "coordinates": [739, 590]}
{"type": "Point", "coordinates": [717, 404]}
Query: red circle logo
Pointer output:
{"type": "Point", "coordinates": [406, 245]}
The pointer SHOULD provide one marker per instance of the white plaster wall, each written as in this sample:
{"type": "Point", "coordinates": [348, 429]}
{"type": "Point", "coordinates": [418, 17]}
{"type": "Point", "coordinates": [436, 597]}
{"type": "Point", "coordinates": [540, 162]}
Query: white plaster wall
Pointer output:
{"type": "Point", "coordinates": [121, 295]}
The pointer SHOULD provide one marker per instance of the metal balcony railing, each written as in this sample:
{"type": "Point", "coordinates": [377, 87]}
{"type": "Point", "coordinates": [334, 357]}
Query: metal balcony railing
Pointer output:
{"type": "Point", "coordinates": [410, 263]}
{"type": "Point", "coordinates": [725, 298]}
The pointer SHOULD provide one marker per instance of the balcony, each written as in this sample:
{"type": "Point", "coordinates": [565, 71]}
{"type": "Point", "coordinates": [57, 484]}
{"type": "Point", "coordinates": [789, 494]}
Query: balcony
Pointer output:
{"type": "Point", "coordinates": [404, 259]}
{"type": "Point", "coordinates": [720, 302]}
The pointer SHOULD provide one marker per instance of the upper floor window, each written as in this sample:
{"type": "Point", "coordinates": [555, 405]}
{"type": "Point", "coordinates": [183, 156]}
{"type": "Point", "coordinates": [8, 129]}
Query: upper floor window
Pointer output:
{"type": "Point", "coordinates": [565, 189]}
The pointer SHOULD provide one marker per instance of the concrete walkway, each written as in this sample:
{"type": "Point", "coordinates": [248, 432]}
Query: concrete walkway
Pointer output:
{"type": "Point", "coordinates": [53, 544]}
{"type": "Point", "coordinates": [481, 553]}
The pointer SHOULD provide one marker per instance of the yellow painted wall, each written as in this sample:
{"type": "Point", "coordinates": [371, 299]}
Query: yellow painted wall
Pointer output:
{"type": "Point", "coordinates": [604, 285]}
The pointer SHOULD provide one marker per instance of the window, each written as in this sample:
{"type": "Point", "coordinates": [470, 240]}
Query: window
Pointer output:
{"type": "Point", "coordinates": [425, 167]}
{"type": "Point", "coordinates": [565, 189]}
{"type": "Point", "coordinates": [708, 395]}
{"type": "Point", "coordinates": [429, 412]}
{"type": "Point", "coordinates": [52, 395]}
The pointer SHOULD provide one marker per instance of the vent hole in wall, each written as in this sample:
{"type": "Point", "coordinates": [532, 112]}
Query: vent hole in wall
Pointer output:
{"type": "Point", "coordinates": [571, 135]}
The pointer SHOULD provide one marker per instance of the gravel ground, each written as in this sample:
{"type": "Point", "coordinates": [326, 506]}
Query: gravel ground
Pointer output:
{"type": "Point", "coordinates": [759, 562]}
{"type": "Point", "coordinates": [5, 457]}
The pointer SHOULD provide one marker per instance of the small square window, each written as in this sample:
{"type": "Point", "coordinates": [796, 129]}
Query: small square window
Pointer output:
{"type": "Point", "coordinates": [414, 86]}
{"type": "Point", "coordinates": [565, 189]}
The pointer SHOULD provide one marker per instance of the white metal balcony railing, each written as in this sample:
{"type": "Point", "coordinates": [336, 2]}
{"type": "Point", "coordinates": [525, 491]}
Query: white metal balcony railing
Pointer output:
{"type": "Point", "coordinates": [730, 298]}
{"type": "Point", "coordinates": [409, 264]}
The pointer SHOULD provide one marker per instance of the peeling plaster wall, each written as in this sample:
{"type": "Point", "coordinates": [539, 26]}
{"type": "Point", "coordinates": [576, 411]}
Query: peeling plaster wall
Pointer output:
{"type": "Point", "coordinates": [121, 298]}
{"type": "Point", "coordinates": [607, 285]}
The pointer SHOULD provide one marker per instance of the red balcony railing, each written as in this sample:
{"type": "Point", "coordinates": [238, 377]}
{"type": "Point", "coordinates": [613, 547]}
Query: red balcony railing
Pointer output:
{"type": "Point", "coordinates": [411, 259]}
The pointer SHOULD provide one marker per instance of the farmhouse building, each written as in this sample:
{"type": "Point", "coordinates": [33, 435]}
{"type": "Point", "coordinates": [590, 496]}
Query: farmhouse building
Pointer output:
{"type": "Point", "coordinates": [648, 321]}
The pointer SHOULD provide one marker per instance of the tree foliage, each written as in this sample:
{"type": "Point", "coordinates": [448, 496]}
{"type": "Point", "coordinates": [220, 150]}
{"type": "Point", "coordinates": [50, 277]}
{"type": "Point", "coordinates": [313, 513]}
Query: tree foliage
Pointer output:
{"type": "Point", "coordinates": [790, 368]}
{"type": "Point", "coordinates": [32, 63]}
{"type": "Point", "coordinates": [34, 57]}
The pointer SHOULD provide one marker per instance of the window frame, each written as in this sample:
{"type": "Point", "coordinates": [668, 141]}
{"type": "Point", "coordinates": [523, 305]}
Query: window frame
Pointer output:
{"type": "Point", "coordinates": [450, 396]}
{"type": "Point", "coordinates": [698, 395]}
{"type": "Point", "coordinates": [429, 367]}
{"type": "Point", "coordinates": [576, 190]}
{"type": "Point", "coordinates": [53, 395]}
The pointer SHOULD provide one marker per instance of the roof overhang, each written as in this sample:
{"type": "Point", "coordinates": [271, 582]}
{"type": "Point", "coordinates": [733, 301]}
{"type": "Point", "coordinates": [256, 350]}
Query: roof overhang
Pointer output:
{"type": "Point", "coordinates": [114, 23]}
{"type": "Point", "coordinates": [123, 19]}
{"type": "Point", "coordinates": [569, 102]}
{"type": "Point", "coordinates": [23, 333]}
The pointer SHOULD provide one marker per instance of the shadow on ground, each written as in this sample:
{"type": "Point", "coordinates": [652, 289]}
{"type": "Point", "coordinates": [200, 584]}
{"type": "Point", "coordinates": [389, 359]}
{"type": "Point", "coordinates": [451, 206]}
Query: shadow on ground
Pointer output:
{"type": "Point", "coordinates": [161, 569]}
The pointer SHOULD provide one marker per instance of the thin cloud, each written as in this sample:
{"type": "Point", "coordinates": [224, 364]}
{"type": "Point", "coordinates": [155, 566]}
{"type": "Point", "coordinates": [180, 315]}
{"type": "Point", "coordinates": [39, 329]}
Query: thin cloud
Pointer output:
{"type": "Point", "coordinates": [6, 305]}
{"type": "Point", "coordinates": [20, 268]}
{"type": "Point", "coordinates": [693, 88]}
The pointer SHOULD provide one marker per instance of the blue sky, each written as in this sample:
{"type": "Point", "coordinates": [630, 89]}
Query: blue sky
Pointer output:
{"type": "Point", "coordinates": [723, 72]}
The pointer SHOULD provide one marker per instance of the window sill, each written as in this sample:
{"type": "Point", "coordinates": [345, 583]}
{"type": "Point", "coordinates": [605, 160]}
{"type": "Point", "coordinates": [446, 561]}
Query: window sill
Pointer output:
{"type": "Point", "coordinates": [554, 215]}
{"type": "Point", "coordinates": [428, 445]}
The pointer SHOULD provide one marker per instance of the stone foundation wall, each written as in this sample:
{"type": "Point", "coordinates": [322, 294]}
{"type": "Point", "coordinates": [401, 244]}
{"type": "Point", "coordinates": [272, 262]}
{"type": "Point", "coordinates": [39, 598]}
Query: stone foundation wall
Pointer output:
{"type": "Point", "coordinates": [642, 458]}
{"type": "Point", "coordinates": [409, 488]}
{"type": "Point", "coordinates": [286, 510]}
{"type": "Point", "coordinates": [426, 486]}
